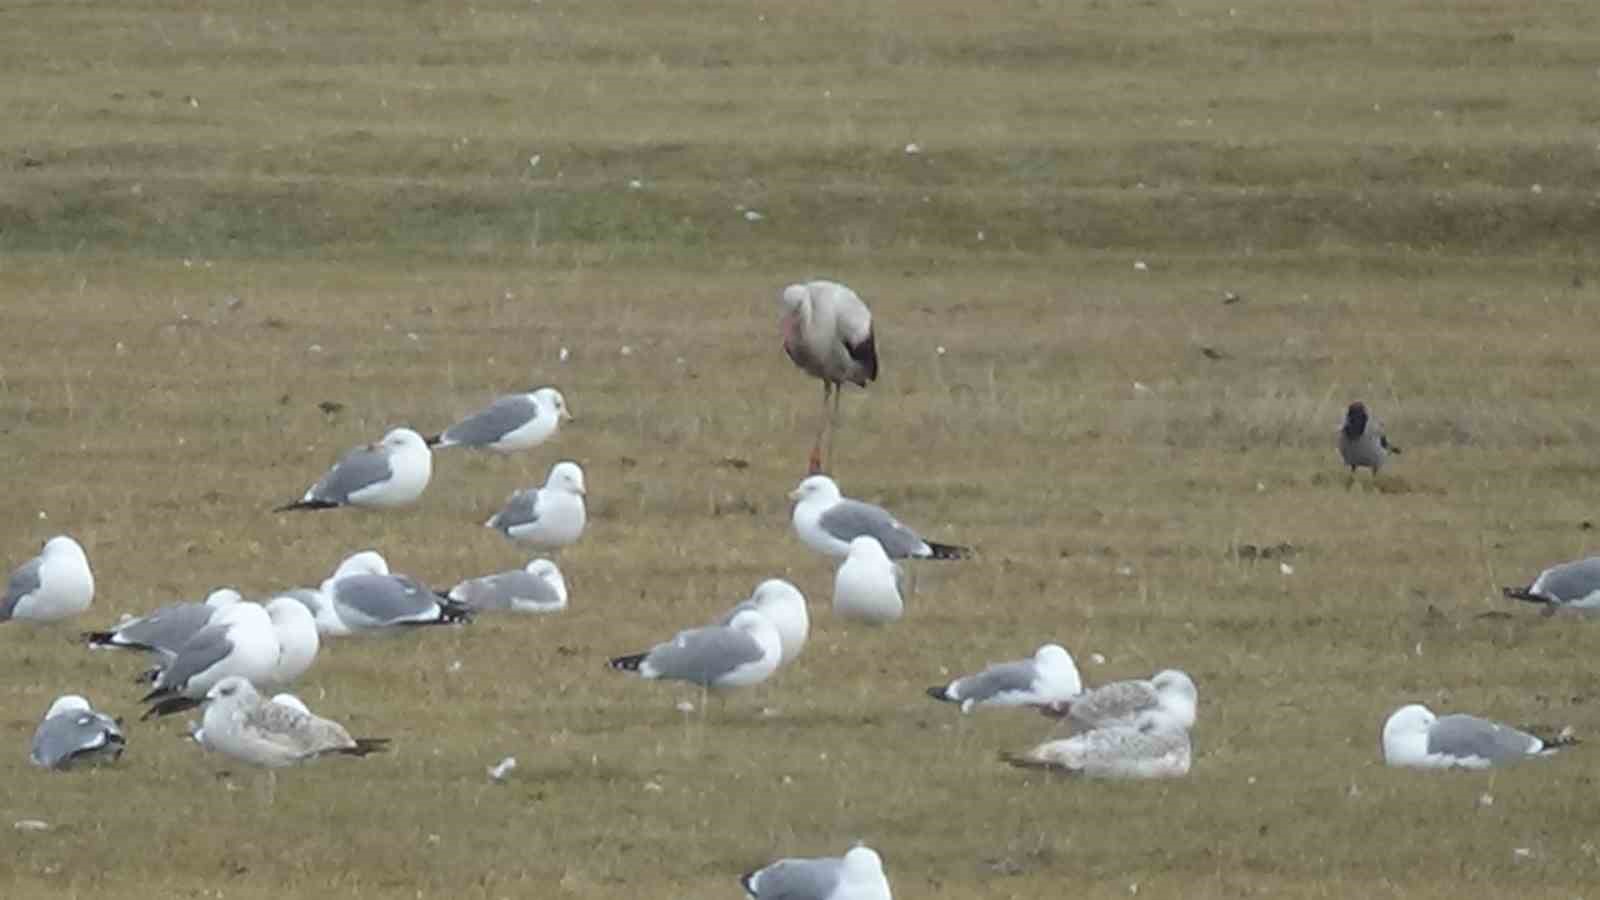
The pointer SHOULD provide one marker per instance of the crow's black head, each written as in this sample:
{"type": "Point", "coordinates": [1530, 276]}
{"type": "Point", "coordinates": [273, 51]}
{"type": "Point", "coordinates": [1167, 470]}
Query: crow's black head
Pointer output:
{"type": "Point", "coordinates": [1355, 420]}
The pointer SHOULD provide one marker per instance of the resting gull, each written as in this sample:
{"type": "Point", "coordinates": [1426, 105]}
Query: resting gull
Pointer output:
{"type": "Point", "coordinates": [240, 641]}
{"type": "Point", "coordinates": [54, 585]}
{"type": "Point", "coordinates": [1153, 745]}
{"type": "Point", "coordinates": [783, 604]}
{"type": "Point", "coordinates": [162, 632]}
{"type": "Point", "coordinates": [551, 516]}
{"type": "Point", "coordinates": [273, 734]}
{"type": "Point", "coordinates": [858, 875]}
{"type": "Point", "coordinates": [826, 521]}
{"type": "Point", "coordinates": [746, 651]}
{"type": "Point", "coordinates": [1049, 677]}
{"type": "Point", "coordinates": [1413, 737]}
{"type": "Point", "coordinates": [1571, 585]}
{"type": "Point", "coordinates": [72, 732]}
{"type": "Point", "coordinates": [393, 472]}
{"type": "Point", "coordinates": [363, 596]}
{"type": "Point", "coordinates": [536, 588]}
{"type": "Point", "coordinates": [866, 588]}
{"type": "Point", "coordinates": [512, 422]}
{"type": "Point", "coordinates": [1171, 691]}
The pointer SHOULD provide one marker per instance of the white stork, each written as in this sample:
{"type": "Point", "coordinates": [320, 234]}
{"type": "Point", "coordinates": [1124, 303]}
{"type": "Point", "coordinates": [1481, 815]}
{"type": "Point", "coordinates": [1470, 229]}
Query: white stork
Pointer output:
{"type": "Point", "coordinates": [827, 332]}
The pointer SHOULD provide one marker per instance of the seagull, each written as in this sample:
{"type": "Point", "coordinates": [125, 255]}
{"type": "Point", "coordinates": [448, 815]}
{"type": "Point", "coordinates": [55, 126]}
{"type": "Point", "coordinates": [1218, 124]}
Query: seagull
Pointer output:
{"type": "Point", "coordinates": [1050, 676]}
{"type": "Point", "coordinates": [858, 875]}
{"type": "Point", "coordinates": [272, 734]}
{"type": "Point", "coordinates": [827, 332]}
{"type": "Point", "coordinates": [164, 631]}
{"type": "Point", "coordinates": [298, 642]}
{"type": "Point", "coordinates": [536, 588]}
{"type": "Point", "coordinates": [1413, 737]}
{"type": "Point", "coordinates": [240, 641]}
{"type": "Point", "coordinates": [1362, 442]}
{"type": "Point", "coordinates": [1572, 585]}
{"type": "Point", "coordinates": [198, 731]}
{"type": "Point", "coordinates": [390, 473]}
{"type": "Point", "coordinates": [1153, 745]}
{"type": "Point", "coordinates": [512, 422]}
{"type": "Point", "coordinates": [1170, 691]}
{"type": "Point", "coordinates": [784, 605]}
{"type": "Point", "coordinates": [551, 516]}
{"type": "Point", "coordinates": [866, 588]}
{"type": "Point", "coordinates": [826, 521]}
{"type": "Point", "coordinates": [746, 651]}
{"type": "Point", "coordinates": [362, 596]}
{"type": "Point", "coordinates": [72, 732]}
{"type": "Point", "coordinates": [54, 585]}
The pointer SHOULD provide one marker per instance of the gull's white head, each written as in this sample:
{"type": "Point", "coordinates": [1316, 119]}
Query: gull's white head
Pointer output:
{"type": "Point", "coordinates": [404, 439]}
{"type": "Point", "coordinates": [290, 701]}
{"type": "Point", "coordinates": [546, 571]}
{"type": "Point", "coordinates": [64, 546]}
{"type": "Point", "coordinates": [566, 477]}
{"type": "Point", "coordinates": [67, 703]}
{"type": "Point", "coordinates": [814, 489]}
{"type": "Point", "coordinates": [777, 593]}
{"type": "Point", "coordinates": [245, 614]}
{"type": "Point", "coordinates": [1405, 735]}
{"type": "Point", "coordinates": [1051, 656]}
{"type": "Point", "coordinates": [233, 690]}
{"type": "Point", "coordinates": [1176, 684]}
{"type": "Point", "coordinates": [222, 598]}
{"type": "Point", "coordinates": [865, 546]}
{"type": "Point", "coordinates": [288, 611]}
{"type": "Point", "coordinates": [550, 399]}
{"type": "Point", "coordinates": [862, 862]}
{"type": "Point", "coordinates": [367, 562]}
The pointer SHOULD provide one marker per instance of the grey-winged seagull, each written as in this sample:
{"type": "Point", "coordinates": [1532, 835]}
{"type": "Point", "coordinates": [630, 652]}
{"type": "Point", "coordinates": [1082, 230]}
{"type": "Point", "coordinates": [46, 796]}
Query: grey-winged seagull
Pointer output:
{"type": "Point", "coordinates": [1570, 585]}
{"type": "Point", "coordinates": [858, 875]}
{"type": "Point", "coordinates": [240, 641]}
{"type": "Point", "coordinates": [72, 733]}
{"type": "Point", "coordinates": [538, 587]}
{"type": "Point", "coordinates": [52, 586]}
{"type": "Point", "coordinates": [867, 585]}
{"type": "Point", "coordinates": [827, 332]}
{"type": "Point", "coordinates": [363, 596]}
{"type": "Point", "coordinates": [1413, 737]}
{"type": "Point", "coordinates": [551, 516]}
{"type": "Point", "coordinates": [783, 604]}
{"type": "Point", "coordinates": [1050, 676]}
{"type": "Point", "coordinates": [512, 422]}
{"type": "Point", "coordinates": [166, 629]}
{"type": "Point", "coordinates": [393, 472]}
{"type": "Point", "coordinates": [746, 651]}
{"type": "Point", "coordinates": [826, 521]}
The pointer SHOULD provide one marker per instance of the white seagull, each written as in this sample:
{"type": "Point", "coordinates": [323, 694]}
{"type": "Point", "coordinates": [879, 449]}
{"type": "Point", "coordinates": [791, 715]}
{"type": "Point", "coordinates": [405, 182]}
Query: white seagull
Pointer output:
{"type": "Point", "coordinates": [54, 585]}
{"type": "Point", "coordinates": [783, 604]}
{"type": "Point", "coordinates": [272, 734]}
{"type": "Point", "coordinates": [298, 641]}
{"type": "Point", "coordinates": [1571, 585]}
{"type": "Point", "coordinates": [536, 588]}
{"type": "Point", "coordinates": [1413, 737]}
{"type": "Point", "coordinates": [241, 640]}
{"type": "Point", "coordinates": [1049, 676]}
{"type": "Point", "coordinates": [858, 875]}
{"type": "Point", "coordinates": [744, 652]}
{"type": "Point", "coordinates": [362, 596]}
{"type": "Point", "coordinates": [165, 630]}
{"type": "Point", "coordinates": [72, 732]}
{"type": "Point", "coordinates": [827, 332]}
{"type": "Point", "coordinates": [866, 588]}
{"type": "Point", "coordinates": [1153, 745]}
{"type": "Point", "coordinates": [393, 472]}
{"type": "Point", "coordinates": [551, 516]}
{"type": "Point", "coordinates": [826, 521]}
{"type": "Point", "coordinates": [1170, 691]}
{"type": "Point", "coordinates": [511, 423]}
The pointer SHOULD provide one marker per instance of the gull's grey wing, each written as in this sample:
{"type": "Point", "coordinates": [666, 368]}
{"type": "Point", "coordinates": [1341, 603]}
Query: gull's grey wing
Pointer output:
{"type": "Point", "coordinates": [796, 879]}
{"type": "Point", "coordinates": [505, 590]}
{"type": "Point", "coordinates": [848, 519]}
{"type": "Point", "coordinates": [1569, 582]}
{"type": "Point", "coordinates": [362, 467]}
{"type": "Point", "coordinates": [209, 646]}
{"type": "Point", "coordinates": [1117, 700]}
{"type": "Point", "coordinates": [376, 601]}
{"type": "Point", "coordinates": [490, 424]}
{"type": "Point", "coordinates": [167, 629]}
{"type": "Point", "coordinates": [63, 737]}
{"type": "Point", "coordinates": [997, 679]}
{"type": "Point", "coordinates": [702, 655]}
{"type": "Point", "coordinates": [521, 509]}
{"type": "Point", "coordinates": [1461, 735]}
{"type": "Point", "coordinates": [24, 581]}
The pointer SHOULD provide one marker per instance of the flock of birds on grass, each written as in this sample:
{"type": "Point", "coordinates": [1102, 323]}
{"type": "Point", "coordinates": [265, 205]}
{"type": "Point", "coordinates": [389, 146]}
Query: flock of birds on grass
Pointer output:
{"type": "Point", "coordinates": [235, 657]}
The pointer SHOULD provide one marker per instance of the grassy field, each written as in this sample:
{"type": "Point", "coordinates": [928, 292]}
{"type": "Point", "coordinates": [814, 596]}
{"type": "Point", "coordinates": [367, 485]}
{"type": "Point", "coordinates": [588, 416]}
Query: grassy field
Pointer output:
{"type": "Point", "coordinates": [215, 218]}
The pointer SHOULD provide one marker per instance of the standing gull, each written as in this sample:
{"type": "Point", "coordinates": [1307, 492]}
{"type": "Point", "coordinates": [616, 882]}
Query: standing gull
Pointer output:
{"type": "Point", "coordinates": [1362, 443]}
{"type": "Point", "coordinates": [272, 734]}
{"type": "Point", "coordinates": [784, 605]}
{"type": "Point", "coordinates": [164, 631]}
{"type": "Point", "coordinates": [1049, 677]}
{"type": "Point", "coordinates": [390, 473]}
{"type": "Point", "coordinates": [858, 875]}
{"type": "Point", "coordinates": [826, 521]}
{"type": "Point", "coordinates": [1151, 746]}
{"type": "Point", "coordinates": [827, 332]}
{"type": "Point", "coordinates": [1413, 737]}
{"type": "Point", "coordinates": [1572, 585]}
{"type": "Point", "coordinates": [362, 596]}
{"type": "Point", "coordinates": [72, 732]}
{"type": "Point", "coordinates": [54, 585]}
{"type": "Point", "coordinates": [512, 422]}
{"type": "Point", "coordinates": [240, 641]}
{"type": "Point", "coordinates": [1170, 691]}
{"type": "Point", "coordinates": [536, 588]}
{"type": "Point", "coordinates": [746, 651]}
{"type": "Point", "coordinates": [551, 516]}
{"type": "Point", "coordinates": [866, 588]}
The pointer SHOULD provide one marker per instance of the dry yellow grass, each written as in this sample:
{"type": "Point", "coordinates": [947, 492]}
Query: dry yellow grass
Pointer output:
{"type": "Point", "coordinates": [1362, 175]}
